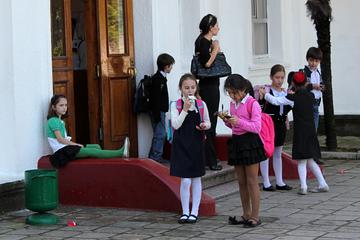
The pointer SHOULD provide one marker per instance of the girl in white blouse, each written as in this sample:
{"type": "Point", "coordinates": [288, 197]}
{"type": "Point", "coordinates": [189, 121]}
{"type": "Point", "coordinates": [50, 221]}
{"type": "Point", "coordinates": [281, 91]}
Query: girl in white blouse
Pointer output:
{"type": "Point", "coordinates": [189, 119]}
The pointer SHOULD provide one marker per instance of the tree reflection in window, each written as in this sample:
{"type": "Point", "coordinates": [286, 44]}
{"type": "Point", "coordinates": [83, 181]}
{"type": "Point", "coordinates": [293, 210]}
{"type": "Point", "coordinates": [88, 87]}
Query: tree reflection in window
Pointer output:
{"type": "Point", "coordinates": [115, 26]}
{"type": "Point", "coordinates": [57, 28]}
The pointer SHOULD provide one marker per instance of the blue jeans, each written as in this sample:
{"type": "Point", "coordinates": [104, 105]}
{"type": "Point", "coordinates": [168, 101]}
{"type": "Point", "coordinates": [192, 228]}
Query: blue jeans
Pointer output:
{"type": "Point", "coordinates": [157, 145]}
{"type": "Point", "coordinates": [316, 115]}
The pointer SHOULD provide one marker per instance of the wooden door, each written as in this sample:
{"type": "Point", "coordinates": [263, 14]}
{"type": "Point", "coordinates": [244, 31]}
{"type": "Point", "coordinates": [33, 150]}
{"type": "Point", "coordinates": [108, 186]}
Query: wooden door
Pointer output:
{"type": "Point", "coordinates": [117, 73]}
{"type": "Point", "coordinates": [61, 43]}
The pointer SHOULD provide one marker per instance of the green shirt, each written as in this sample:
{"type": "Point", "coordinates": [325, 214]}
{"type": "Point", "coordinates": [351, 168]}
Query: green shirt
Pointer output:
{"type": "Point", "coordinates": [54, 124]}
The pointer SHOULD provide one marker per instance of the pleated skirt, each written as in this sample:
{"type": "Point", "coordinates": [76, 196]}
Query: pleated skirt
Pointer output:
{"type": "Point", "coordinates": [245, 149]}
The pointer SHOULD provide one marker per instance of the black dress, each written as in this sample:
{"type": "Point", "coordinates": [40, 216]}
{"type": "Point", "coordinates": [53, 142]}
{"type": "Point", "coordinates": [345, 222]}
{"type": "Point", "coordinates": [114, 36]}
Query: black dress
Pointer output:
{"type": "Point", "coordinates": [278, 119]}
{"type": "Point", "coordinates": [187, 152]}
{"type": "Point", "coordinates": [210, 94]}
{"type": "Point", "coordinates": [305, 142]}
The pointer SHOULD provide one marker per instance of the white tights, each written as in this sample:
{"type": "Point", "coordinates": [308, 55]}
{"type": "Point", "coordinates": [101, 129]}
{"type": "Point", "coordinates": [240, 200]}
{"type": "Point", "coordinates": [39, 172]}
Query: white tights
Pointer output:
{"type": "Point", "coordinates": [315, 170]}
{"type": "Point", "coordinates": [196, 187]}
{"type": "Point", "coordinates": [277, 165]}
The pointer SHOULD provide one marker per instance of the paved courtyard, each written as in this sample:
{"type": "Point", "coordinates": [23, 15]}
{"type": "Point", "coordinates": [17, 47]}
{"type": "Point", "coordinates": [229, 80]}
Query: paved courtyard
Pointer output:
{"type": "Point", "coordinates": [285, 215]}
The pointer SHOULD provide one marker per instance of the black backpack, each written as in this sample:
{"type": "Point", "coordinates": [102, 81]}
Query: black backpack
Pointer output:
{"type": "Point", "coordinates": [142, 95]}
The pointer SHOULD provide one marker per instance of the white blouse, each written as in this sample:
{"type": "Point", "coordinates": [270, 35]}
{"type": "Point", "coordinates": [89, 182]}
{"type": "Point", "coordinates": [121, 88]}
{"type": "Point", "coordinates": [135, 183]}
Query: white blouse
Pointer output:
{"type": "Point", "coordinates": [178, 119]}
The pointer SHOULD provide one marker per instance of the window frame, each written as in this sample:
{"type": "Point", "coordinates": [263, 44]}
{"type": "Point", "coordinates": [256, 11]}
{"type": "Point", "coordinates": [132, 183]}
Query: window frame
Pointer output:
{"type": "Point", "coordinates": [255, 19]}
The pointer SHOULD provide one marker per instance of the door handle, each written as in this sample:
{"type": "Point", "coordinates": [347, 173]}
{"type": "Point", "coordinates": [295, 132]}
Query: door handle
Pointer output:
{"type": "Point", "coordinates": [132, 71]}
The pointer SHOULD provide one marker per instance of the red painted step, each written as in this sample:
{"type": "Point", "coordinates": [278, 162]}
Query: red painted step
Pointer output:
{"type": "Point", "coordinates": [125, 183]}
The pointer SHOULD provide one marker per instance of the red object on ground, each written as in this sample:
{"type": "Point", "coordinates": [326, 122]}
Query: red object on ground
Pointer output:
{"type": "Point", "coordinates": [126, 183]}
{"type": "Point", "coordinates": [71, 223]}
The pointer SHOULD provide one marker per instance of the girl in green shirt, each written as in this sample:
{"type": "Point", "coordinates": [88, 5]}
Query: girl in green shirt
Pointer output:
{"type": "Point", "coordinates": [64, 150]}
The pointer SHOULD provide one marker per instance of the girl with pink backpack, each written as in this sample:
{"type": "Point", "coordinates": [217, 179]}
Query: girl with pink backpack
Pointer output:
{"type": "Point", "coordinates": [189, 119]}
{"type": "Point", "coordinates": [245, 149]}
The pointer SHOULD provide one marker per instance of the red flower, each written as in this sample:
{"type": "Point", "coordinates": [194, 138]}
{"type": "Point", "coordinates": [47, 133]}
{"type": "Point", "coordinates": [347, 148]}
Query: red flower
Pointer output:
{"type": "Point", "coordinates": [299, 78]}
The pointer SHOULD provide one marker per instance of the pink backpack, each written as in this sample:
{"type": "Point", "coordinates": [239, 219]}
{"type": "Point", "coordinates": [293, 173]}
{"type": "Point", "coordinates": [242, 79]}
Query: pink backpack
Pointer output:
{"type": "Point", "coordinates": [256, 90]}
{"type": "Point", "coordinates": [267, 132]}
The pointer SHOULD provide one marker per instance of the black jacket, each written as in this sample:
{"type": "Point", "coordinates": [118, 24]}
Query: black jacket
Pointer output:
{"type": "Point", "coordinates": [159, 96]}
{"type": "Point", "coordinates": [307, 72]}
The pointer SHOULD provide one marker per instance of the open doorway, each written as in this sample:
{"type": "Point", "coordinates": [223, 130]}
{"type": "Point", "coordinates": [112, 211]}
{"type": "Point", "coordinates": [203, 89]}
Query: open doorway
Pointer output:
{"type": "Point", "coordinates": [93, 65]}
{"type": "Point", "coordinates": [79, 56]}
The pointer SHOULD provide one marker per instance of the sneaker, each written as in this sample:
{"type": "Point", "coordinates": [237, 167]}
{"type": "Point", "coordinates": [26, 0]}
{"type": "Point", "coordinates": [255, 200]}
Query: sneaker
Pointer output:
{"type": "Point", "coordinates": [126, 152]}
{"type": "Point", "coordinates": [320, 189]}
{"type": "Point", "coordinates": [302, 191]}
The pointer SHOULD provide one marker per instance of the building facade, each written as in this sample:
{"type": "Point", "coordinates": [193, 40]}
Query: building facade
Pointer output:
{"type": "Point", "coordinates": [91, 50]}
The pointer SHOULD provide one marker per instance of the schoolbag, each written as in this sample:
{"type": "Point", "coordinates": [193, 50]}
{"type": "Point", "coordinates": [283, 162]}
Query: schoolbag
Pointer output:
{"type": "Point", "coordinates": [142, 95]}
{"type": "Point", "coordinates": [267, 132]}
{"type": "Point", "coordinates": [170, 130]}
{"type": "Point", "coordinates": [256, 90]}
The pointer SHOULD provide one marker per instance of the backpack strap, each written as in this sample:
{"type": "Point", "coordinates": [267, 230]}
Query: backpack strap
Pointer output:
{"type": "Point", "coordinates": [179, 105]}
{"type": "Point", "coordinates": [250, 105]}
{"type": "Point", "coordinates": [200, 106]}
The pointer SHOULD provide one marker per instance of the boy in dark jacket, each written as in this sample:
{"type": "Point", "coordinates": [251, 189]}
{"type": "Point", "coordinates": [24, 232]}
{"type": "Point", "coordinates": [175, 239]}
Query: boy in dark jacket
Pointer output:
{"type": "Point", "coordinates": [159, 103]}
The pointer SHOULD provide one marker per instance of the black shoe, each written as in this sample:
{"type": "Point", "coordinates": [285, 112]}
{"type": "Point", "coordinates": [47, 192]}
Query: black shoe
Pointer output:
{"type": "Point", "coordinates": [252, 222]}
{"type": "Point", "coordinates": [319, 162]}
{"type": "Point", "coordinates": [234, 221]}
{"type": "Point", "coordinates": [192, 219]}
{"type": "Point", "coordinates": [269, 189]}
{"type": "Point", "coordinates": [216, 167]}
{"type": "Point", "coordinates": [183, 219]}
{"type": "Point", "coordinates": [285, 187]}
{"type": "Point", "coordinates": [162, 161]}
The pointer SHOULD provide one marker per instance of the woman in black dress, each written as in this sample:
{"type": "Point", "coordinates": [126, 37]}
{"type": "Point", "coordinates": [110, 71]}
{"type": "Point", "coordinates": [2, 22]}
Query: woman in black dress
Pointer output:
{"type": "Point", "coordinates": [209, 87]}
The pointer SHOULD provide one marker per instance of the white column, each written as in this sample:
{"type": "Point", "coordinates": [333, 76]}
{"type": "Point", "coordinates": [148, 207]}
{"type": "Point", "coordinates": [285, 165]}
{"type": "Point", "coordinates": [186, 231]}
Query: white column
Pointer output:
{"type": "Point", "coordinates": [29, 85]}
{"type": "Point", "coordinates": [7, 116]}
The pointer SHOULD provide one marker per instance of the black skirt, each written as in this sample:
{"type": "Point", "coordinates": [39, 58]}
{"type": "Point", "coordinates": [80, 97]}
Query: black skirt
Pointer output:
{"type": "Point", "coordinates": [245, 149]}
{"type": "Point", "coordinates": [64, 155]}
{"type": "Point", "coordinates": [280, 132]}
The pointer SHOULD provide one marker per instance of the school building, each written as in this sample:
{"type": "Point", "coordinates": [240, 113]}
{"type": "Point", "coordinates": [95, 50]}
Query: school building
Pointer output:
{"type": "Point", "coordinates": [95, 51]}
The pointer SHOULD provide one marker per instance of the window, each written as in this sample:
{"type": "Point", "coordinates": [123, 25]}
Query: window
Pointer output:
{"type": "Point", "coordinates": [259, 27]}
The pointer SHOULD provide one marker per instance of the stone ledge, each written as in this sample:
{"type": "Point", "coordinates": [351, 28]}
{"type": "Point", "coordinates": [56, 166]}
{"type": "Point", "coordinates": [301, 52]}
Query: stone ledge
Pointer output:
{"type": "Point", "coordinates": [341, 155]}
{"type": "Point", "coordinates": [12, 196]}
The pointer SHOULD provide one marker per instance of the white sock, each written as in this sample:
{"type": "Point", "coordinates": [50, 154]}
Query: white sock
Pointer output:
{"type": "Point", "coordinates": [277, 165]}
{"type": "Point", "coordinates": [185, 194]}
{"type": "Point", "coordinates": [196, 195]}
{"type": "Point", "coordinates": [264, 169]}
{"type": "Point", "coordinates": [302, 173]}
{"type": "Point", "coordinates": [317, 172]}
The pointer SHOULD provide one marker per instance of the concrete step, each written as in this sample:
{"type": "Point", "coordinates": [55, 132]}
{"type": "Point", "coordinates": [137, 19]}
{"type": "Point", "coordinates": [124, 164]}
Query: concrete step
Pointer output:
{"type": "Point", "coordinates": [223, 190]}
{"type": "Point", "coordinates": [214, 178]}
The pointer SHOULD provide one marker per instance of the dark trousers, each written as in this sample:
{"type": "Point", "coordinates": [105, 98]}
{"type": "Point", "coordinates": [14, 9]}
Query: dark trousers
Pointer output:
{"type": "Point", "coordinates": [210, 94]}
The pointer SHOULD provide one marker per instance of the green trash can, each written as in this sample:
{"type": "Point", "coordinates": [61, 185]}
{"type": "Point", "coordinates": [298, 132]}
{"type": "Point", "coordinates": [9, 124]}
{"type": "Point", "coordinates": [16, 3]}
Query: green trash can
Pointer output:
{"type": "Point", "coordinates": [41, 195]}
